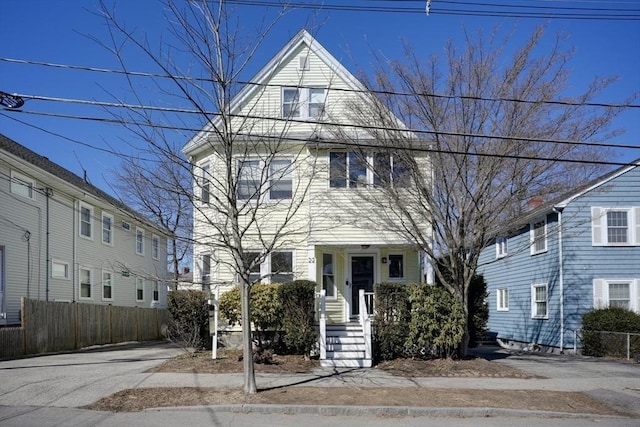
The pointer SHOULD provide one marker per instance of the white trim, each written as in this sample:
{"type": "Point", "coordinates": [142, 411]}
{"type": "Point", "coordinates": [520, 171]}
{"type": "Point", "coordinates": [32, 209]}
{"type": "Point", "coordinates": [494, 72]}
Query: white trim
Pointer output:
{"type": "Point", "coordinates": [102, 285]}
{"type": "Point", "coordinates": [335, 282]}
{"type": "Point", "coordinates": [599, 225]}
{"type": "Point", "coordinates": [81, 206]}
{"type": "Point", "coordinates": [155, 246]}
{"type": "Point", "coordinates": [502, 299]}
{"type": "Point", "coordinates": [140, 280]}
{"type": "Point", "coordinates": [111, 230]}
{"type": "Point", "coordinates": [23, 185]}
{"type": "Point", "coordinates": [534, 307]}
{"type": "Point", "coordinates": [601, 292]}
{"type": "Point", "coordinates": [532, 239]}
{"type": "Point", "coordinates": [266, 265]}
{"type": "Point", "coordinates": [501, 247]}
{"type": "Point", "coordinates": [141, 251]}
{"type": "Point", "coordinates": [91, 283]}
{"type": "Point", "coordinates": [66, 276]}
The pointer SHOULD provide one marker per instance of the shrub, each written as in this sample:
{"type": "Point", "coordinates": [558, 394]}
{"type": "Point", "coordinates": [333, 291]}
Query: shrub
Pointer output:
{"type": "Point", "coordinates": [266, 310]}
{"type": "Point", "coordinates": [298, 309]}
{"type": "Point", "coordinates": [392, 316]}
{"type": "Point", "coordinates": [612, 319]}
{"type": "Point", "coordinates": [189, 326]}
{"type": "Point", "coordinates": [437, 323]}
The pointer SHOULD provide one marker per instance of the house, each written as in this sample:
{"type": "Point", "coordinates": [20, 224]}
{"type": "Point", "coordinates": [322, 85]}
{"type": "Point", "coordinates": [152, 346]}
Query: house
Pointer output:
{"type": "Point", "coordinates": [294, 103]}
{"type": "Point", "coordinates": [63, 239]}
{"type": "Point", "coordinates": [565, 258]}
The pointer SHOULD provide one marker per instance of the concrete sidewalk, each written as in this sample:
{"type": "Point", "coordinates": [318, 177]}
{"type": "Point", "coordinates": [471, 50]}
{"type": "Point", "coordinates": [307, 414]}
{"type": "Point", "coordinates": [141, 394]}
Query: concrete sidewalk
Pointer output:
{"type": "Point", "coordinates": [77, 379]}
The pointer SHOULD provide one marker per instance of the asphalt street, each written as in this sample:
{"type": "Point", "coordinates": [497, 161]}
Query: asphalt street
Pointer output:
{"type": "Point", "coordinates": [48, 390]}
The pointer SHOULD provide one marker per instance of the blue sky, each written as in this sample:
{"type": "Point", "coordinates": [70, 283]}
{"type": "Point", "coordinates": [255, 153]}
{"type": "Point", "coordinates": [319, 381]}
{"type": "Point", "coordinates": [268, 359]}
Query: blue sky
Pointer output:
{"type": "Point", "coordinates": [61, 32]}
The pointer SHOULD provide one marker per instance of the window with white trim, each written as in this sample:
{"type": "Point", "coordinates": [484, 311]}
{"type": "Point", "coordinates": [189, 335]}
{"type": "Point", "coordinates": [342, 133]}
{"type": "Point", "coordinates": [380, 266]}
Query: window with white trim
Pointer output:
{"type": "Point", "coordinates": [59, 269]}
{"type": "Point", "coordinates": [501, 247]}
{"type": "Point", "coordinates": [618, 226]}
{"type": "Point", "coordinates": [278, 182]}
{"type": "Point", "coordinates": [206, 272]}
{"type": "Point", "coordinates": [539, 301]}
{"type": "Point", "coordinates": [328, 275]}
{"type": "Point", "coordinates": [139, 241]}
{"type": "Point", "coordinates": [139, 289]}
{"type": "Point", "coordinates": [107, 229]}
{"type": "Point", "coordinates": [281, 266]}
{"type": "Point", "coordinates": [350, 169]}
{"type": "Point", "coordinates": [155, 246]}
{"type": "Point", "coordinates": [303, 103]}
{"type": "Point", "coordinates": [86, 283]}
{"type": "Point", "coordinates": [502, 299]}
{"type": "Point", "coordinates": [538, 237]}
{"type": "Point", "coordinates": [107, 285]}
{"type": "Point", "coordinates": [396, 266]}
{"type": "Point", "coordinates": [624, 293]}
{"type": "Point", "coordinates": [22, 185]}
{"type": "Point", "coordinates": [156, 292]}
{"type": "Point", "coordinates": [255, 273]}
{"type": "Point", "coordinates": [205, 195]}
{"type": "Point", "coordinates": [86, 220]}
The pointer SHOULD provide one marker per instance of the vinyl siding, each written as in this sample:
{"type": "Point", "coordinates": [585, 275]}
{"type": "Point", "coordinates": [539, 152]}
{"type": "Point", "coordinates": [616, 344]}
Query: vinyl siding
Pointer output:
{"type": "Point", "coordinates": [582, 264]}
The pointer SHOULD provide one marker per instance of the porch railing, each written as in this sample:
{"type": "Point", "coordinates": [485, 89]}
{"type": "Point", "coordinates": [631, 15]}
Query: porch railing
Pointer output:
{"type": "Point", "coordinates": [366, 303]}
{"type": "Point", "coordinates": [323, 323]}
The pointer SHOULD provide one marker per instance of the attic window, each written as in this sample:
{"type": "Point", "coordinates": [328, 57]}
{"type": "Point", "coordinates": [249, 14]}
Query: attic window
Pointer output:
{"type": "Point", "coordinates": [304, 63]}
{"type": "Point", "coordinates": [126, 225]}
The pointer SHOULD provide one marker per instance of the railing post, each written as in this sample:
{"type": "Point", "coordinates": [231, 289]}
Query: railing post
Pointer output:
{"type": "Point", "coordinates": [323, 325]}
{"type": "Point", "coordinates": [628, 346]}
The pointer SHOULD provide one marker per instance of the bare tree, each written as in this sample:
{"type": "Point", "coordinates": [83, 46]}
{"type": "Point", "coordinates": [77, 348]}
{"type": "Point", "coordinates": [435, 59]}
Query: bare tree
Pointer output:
{"type": "Point", "coordinates": [159, 187]}
{"type": "Point", "coordinates": [249, 178]}
{"type": "Point", "coordinates": [478, 135]}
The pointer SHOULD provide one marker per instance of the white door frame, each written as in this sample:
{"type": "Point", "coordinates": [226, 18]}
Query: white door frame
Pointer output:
{"type": "Point", "coordinates": [375, 254]}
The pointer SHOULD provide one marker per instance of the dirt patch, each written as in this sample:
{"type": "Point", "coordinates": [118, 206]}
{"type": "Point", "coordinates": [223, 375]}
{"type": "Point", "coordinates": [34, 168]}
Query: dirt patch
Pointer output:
{"type": "Point", "coordinates": [230, 362]}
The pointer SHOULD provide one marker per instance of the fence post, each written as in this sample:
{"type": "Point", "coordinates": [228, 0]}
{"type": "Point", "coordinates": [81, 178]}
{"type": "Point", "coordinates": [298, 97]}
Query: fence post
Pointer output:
{"type": "Point", "coordinates": [25, 321]}
{"type": "Point", "coordinates": [628, 346]}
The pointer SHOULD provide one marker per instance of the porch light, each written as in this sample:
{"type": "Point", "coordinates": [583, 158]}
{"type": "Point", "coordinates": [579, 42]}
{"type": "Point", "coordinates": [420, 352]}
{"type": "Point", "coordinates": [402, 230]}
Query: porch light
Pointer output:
{"type": "Point", "coordinates": [364, 246]}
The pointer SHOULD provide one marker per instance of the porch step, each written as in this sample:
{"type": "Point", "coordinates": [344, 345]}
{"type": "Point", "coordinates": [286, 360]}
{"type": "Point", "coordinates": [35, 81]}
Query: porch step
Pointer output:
{"type": "Point", "coordinates": [345, 346]}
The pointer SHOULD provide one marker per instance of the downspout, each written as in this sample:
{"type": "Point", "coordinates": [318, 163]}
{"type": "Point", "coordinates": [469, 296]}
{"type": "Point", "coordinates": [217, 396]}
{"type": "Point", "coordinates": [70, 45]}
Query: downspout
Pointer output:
{"type": "Point", "coordinates": [47, 192]}
{"type": "Point", "coordinates": [561, 277]}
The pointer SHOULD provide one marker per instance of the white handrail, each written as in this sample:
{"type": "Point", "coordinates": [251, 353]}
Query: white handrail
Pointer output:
{"type": "Point", "coordinates": [323, 325]}
{"type": "Point", "coordinates": [365, 322]}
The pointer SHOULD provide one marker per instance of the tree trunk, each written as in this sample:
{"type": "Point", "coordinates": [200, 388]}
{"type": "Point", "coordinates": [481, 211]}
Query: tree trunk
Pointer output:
{"type": "Point", "coordinates": [247, 343]}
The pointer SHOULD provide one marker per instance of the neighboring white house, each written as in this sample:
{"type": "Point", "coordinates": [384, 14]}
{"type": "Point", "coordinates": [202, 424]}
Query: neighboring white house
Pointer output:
{"type": "Point", "coordinates": [297, 100]}
{"type": "Point", "coordinates": [63, 239]}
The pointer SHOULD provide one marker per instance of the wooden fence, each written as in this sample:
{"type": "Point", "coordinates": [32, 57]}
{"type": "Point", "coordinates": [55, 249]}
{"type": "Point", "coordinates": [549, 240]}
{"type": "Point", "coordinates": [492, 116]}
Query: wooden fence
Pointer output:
{"type": "Point", "coordinates": [63, 326]}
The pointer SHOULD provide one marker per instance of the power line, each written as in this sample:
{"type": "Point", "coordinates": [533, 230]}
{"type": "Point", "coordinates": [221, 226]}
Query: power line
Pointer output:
{"type": "Point", "coordinates": [345, 125]}
{"type": "Point", "coordinates": [364, 90]}
{"type": "Point", "coordinates": [549, 13]}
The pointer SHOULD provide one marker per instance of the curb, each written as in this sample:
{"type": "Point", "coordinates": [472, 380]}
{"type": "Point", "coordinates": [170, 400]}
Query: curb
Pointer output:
{"type": "Point", "coordinates": [399, 411]}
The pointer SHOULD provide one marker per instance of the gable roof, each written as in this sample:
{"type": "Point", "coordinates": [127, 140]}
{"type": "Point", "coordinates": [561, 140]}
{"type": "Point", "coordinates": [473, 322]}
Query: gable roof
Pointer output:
{"type": "Point", "coordinates": [43, 163]}
{"type": "Point", "coordinates": [562, 201]}
{"type": "Point", "coordinates": [257, 82]}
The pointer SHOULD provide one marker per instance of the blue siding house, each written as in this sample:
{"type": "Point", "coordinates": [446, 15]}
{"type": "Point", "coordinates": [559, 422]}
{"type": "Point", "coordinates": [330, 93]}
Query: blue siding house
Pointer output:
{"type": "Point", "coordinates": [563, 259]}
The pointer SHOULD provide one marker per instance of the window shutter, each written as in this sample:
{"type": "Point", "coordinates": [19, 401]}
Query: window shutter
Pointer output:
{"type": "Point", "coordinates": [637, 290]}
{"type": "Point", "coordinates": [636, 221]}
{"type": "Point", "coordinates": [597, 214]}
{"type": "Point", "coordinates": [599, 297]}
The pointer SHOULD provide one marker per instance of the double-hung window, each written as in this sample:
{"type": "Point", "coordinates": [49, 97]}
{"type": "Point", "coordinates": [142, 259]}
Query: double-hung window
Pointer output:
{"type": "Point", "coordinates": [502, 299]}
{"type": "Point", "coordinates": [303, 103]}
{"type": "Point", "coordinates": [538, 236]}
{"type": "Point", "coordinates": [615, 226]}
{"type": "Point", "coordinates": [539, 301]}
{"type": "Point", "coordinates": [350, 169]}
{"type": "Point", "coordinates": [107, 229]}
{"type": "Point", "coordinates": [156, 293]}
{"type": "Point", "coordinates": [204, 184]}
{"type": "Point", "coordinates": [139, 289]}
{"type": "Point", "coordinates": [86, 221]}
{"type": "Point", "coordinates": [251, 259]}
{"type": "Point", "coordinates": [281, 266]}
{"type": "Point", "coordinates": [257, 180]}
{"type": "Point", "coordinates": [107, 285]}
{"type": "Point", "coordinates": [139, 241]}
{"type": "Point", "coordinates": [155, 247]}
{"type": "Point", "coordinates": [86, 283]}
{"type": "Point", "coordinates": [206, 272]}
{"type": "Point", "coordinates": [501, 247]}
{"type": "Point", "coordinates": [328, 275]}
{"type": "Point", "coordinates": [620, 294]}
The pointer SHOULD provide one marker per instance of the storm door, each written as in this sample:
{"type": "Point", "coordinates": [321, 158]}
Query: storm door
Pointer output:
{"type": "Point", "coordinates": [362, 277]}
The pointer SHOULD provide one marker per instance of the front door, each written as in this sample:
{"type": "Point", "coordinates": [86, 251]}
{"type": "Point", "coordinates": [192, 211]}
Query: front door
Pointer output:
{"type": "Point", "coordinates": [362, 277]}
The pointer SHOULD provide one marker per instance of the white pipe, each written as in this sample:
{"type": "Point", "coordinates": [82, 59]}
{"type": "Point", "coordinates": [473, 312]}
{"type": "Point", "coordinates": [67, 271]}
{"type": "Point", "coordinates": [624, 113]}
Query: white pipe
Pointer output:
{"type": "Point", "coordinates": [561, 278]}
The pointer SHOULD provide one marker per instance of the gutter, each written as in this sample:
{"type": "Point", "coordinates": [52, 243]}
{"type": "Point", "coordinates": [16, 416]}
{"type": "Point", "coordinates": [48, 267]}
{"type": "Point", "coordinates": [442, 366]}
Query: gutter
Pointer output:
{"type": "Point", "coordinates": [561, 276]}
